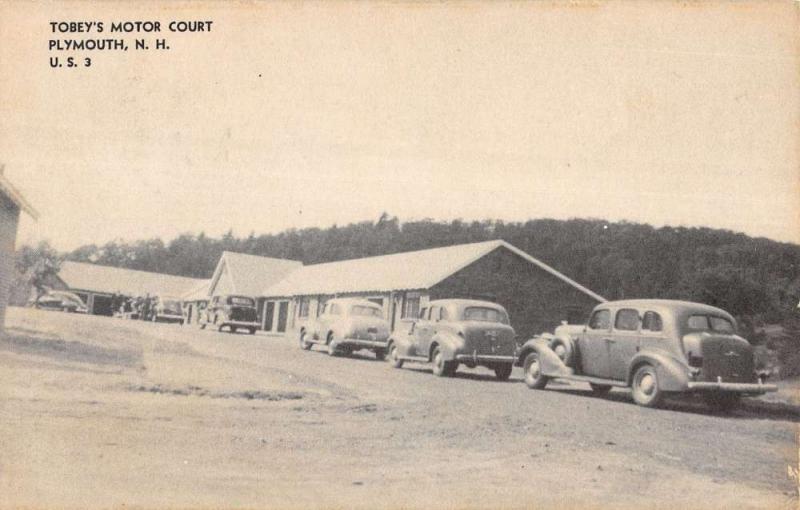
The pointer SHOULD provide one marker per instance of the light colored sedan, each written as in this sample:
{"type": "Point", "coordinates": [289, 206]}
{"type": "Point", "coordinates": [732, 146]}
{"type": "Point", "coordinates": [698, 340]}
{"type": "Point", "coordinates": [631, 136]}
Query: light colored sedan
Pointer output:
{"type": "Point", "coordinates": [346, 325]}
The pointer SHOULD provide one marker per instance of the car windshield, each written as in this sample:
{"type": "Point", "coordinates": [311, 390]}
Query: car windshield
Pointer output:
{"type": "Point", "coordinates": [367, 311]}
{"type": "Point", "coordinates": [240, 301]}
{"type": "Point", "coordinates": [484, 314]}
{"type": "Point", "coordinates": [65, 296]}
{"type": "Point", "coordinates": [710, 323]}
{"type": "Point", "coordinates": [172, 306]}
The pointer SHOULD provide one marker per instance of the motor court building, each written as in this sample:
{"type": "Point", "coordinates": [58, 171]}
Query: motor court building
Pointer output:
{"type": "Point", "coordinates": [11, 204]}
{"type": "Point", "coordinates": [536, 296]}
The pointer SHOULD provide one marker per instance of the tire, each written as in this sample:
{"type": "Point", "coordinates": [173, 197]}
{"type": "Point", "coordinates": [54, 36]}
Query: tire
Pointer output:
{"type": "Point", "coordinates": [644, 387]}
{"type": "Point", "coordinates": [380, 354]}
{"type": "Point", "coordinates": [394, 357]}
{"type": "Point", "coordinates": [442, 368]}
{"type": "Point", "coordinates": [233, 329]}
{"type": "Point", "coordinates": [219, 328]}
{"type": "Point", "coordinates": [503, 372]}
{"type": "Point", "coordinates": [722, 402]}
{"type": "Point", "coordinates": [600, 389]}
{"type": "Point", "coordinates": [533, 373]}
{"type": "Point", "coordinates": [303, 343]}
{"type": "Point", "coordinates": [252, 331]}
{"type": "Point", "coordinates": [333, 348]}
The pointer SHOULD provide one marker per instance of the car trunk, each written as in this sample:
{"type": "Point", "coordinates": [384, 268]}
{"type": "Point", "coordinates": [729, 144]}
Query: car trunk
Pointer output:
{"type": "Point", "coordinates": [489, 338]}
{"type": "Point", "coordinates": [727, 356]}
{"type": "Point", "coordinates": [369, 328]}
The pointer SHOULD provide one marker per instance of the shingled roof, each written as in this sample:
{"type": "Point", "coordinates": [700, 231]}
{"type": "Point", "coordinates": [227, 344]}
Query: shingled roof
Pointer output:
{"type": "Point", "coordinates": [400, 271]}
{"type": "Point", "coordinates": [110, 280]}
{"type": "Point", "coordinates": [15, 196]}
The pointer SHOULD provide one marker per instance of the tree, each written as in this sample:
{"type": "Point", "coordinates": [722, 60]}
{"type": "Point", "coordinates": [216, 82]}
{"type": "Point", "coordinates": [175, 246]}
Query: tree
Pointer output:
{"type": "Point", "coordinates": [36, 268]}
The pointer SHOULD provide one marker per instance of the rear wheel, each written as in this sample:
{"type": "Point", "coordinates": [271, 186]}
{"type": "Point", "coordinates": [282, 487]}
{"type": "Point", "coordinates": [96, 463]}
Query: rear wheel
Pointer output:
{"type": "Point", "coordinates": [723, 402]}
{"type": "Point", "coordinates": [394, 357]}
{"type": "Point", "coordinates": [645, 388]}
{"type": "Point", "coordinates": [380, 354]}
{"type": "Point", "coordinates": [533, 372]}
{"type": "Point", "coordinates": [600, 389]}
{"type": "Point", "coordinates": [252, 331]}
{"type": "Point", "coordinates": [503, 372]}
{"type": "Point", "coordinates": [441, 367]}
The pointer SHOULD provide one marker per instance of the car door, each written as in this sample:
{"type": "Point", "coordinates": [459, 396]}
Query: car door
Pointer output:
{"type": "Point", "coordinates": [593, 344]}
{"type": "Point", "coordinates": [624, 342]}
{"type": "Point", "coordinates": [422, 333]}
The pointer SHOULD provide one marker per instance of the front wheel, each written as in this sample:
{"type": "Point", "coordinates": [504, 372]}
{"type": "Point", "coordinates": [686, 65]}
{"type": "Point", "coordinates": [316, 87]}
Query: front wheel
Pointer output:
{"type": "Point", "coordinates": [645, 388]}
{"type": "Point", "coordinates": [394, 357]}
{"type": "Point", "coordinates": [503, 372]}
{"type": "Point", "coordinates": [533, 372]}
{"type": "Point", "coordinates": [305, 345]}
{"type": "Point", "coordinates": [441, 367]}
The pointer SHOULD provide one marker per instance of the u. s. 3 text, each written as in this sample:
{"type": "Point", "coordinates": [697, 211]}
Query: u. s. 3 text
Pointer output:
{"type": "Point", "coordinates": [70, 62]}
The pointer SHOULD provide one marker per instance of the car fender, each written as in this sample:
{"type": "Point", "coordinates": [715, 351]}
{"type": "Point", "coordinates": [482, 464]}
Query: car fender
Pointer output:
{"type": "Point", "coordinates": [533, 345]}
{"type": "Point", "coordinates": [403, 343]}
{"type": "Point", "coordinates": [672, 374]}
{"type": "Point", "coordinates": [449, 343]}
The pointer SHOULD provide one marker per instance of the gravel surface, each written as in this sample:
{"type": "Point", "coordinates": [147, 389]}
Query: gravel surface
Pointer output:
{"type": "Point", "coordinates": [99, 412]}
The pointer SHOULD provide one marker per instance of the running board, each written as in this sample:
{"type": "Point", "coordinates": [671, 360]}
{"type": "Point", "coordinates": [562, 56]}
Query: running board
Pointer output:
{"type": "Point", "coordinates": [419, 359]}
{"type": "Point", "coordinates": [595, 380]}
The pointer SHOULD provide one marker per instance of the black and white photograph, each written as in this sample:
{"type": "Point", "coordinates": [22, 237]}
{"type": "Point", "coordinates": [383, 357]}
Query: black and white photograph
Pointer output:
{"type": "Point", "coordinates": [399, 254]}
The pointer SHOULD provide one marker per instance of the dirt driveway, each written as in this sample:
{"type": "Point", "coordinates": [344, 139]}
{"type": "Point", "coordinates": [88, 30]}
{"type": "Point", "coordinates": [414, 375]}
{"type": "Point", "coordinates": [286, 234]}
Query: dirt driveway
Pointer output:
{"type": "Point", "coordinates": [99, 412]}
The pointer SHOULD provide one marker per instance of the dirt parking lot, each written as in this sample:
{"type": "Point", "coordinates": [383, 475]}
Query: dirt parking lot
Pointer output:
{"type": "Point", "coordinates": [100, 412]}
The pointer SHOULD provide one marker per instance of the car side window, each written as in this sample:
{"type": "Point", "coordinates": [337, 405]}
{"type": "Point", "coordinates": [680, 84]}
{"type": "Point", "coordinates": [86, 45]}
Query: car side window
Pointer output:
{"type": "Point", "coordinates": [652, 322]}
{"type": "Point", "coordinates": [443, 314]}
{"type": "Point", "coordinates": [601, 319]}
{"type": "Point", "coordinates": [423, 312]}
{"type": "Point", "coordinates": [434, 312]}
{"type": "Point", "coordinates": [627, 320]}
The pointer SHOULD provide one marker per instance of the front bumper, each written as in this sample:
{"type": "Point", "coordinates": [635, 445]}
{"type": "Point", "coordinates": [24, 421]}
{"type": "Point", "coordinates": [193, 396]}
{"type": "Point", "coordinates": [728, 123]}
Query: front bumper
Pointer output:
{"type": "Point", "coordinates": [484, 358]}
{"type": "Point", "coordinates": [240, 324]}
{"type": "Point", "coordinates": [719, 385]}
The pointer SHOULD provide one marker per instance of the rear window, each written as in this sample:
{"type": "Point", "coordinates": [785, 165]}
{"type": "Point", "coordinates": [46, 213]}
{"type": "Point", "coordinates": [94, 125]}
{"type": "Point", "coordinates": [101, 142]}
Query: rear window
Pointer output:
{"type": "Point", "coordinates": [240, 301]}
{"type": "Point", "coordinates": [479, 313]}
{"type": "Point", "coordinates": [627, 320]}
{"type": "Point", "coordinates": [366, 311]}
{"type": "Point", "coordinates": [710, 323]}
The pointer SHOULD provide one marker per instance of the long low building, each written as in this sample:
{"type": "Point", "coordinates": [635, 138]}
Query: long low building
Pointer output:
{"type": "Point", "coordinates": [537, 296]}
{"type": "Point", "coordinates": [96, 284]}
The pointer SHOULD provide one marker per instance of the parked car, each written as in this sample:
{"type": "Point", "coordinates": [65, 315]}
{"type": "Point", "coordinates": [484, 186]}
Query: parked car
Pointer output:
{"type": "Point", "coordinates": [345, 325]}
{"type": "Point", "coordinates": [61, 300]}
{"type": "Point", "coordinates": [450, 332]}
{"type": "Point", "coordinates": [167, 309]}
{"type": "Point", "coordinates": [655, 347]}
{"type": "Point", "coordinates": [233, 312]}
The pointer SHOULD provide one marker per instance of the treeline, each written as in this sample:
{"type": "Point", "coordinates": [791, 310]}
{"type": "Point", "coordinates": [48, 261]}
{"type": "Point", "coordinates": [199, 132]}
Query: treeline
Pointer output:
{"type": "Point", "coordinates": [756, 279]}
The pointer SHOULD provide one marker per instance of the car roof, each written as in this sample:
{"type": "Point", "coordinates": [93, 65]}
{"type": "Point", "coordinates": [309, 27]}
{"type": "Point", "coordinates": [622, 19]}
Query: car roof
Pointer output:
{"type": "Point", "coordinates": [665, 304]}
{"type": "Point", "coordinates": [464, 302]}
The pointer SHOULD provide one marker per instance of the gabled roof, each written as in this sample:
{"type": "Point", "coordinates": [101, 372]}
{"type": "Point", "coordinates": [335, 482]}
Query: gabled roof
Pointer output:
{"type": "Point", "coordinates": [108, 280]}
{"type": "Point", "coordinates": [400, 271]}
{"type": "Point", "coordinates": [250, 274]}
{"type": "Point", "coordinates": [16, 197]}
{"type": "Point", "coordinates": [198, 293]}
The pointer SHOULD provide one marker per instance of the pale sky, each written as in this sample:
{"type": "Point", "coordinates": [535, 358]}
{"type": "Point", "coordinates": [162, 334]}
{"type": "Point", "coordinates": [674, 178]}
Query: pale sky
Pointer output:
{"type": "Point", "coordinates": [299, 115]}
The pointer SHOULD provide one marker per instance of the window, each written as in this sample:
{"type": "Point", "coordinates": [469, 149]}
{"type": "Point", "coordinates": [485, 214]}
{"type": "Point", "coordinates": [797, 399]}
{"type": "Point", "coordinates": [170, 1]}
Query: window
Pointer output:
{"type": "Point", "coordinates": [483, 314]}
{"type": "Point", "coordinates": [444, 315]}
{"type": "Point", "coordinates": [367, 311]}
{"type": "Point", "coordinates": [302, 307]}
{"type": "Point", "coordinates": [710, 323]}
{"type": "Point", "coordinates": [240, 301]}
{"type": "Point", "coordinates": [652, 322]}
{"type": "Point", "coordinates": [627, 320]}
{"type": "Point", "coordinates": [411, 307]}
{"type": "Point", "coordinates": [377, 300]}
{"type": "Point", "coordinates": [601, 319]}
{"type": "Point", "coordinates": [423, 314]}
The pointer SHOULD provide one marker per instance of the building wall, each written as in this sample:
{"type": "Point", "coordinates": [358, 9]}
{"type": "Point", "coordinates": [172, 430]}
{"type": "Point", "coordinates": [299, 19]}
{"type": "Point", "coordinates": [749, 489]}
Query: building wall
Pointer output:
{"type": "Point", "coordinates": [9, 220]}
{"type": "Point", "coordinates": [536, 300]}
